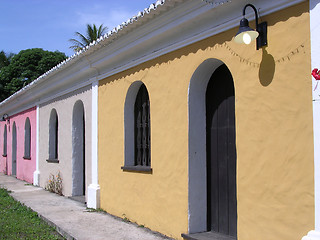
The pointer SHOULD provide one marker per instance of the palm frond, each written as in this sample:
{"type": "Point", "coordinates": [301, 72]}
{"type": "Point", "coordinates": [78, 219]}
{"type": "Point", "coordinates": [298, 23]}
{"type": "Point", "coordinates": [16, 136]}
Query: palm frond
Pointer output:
{"type": "Point", "coordinates": [92, 34]}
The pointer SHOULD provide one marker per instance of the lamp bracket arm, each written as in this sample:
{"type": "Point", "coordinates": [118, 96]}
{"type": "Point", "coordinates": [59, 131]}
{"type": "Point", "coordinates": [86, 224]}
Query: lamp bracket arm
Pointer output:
{"type": "Point", "coordinates": [255, 12]}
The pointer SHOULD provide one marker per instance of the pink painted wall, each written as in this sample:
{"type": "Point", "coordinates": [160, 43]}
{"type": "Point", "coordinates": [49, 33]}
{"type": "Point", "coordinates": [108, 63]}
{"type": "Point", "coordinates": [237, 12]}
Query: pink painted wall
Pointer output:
{"type": "Point", "coordinates": [25, 167]}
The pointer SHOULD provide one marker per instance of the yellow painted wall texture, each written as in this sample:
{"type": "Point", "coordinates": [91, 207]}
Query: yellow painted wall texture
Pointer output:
{"type": "Point", "coordinates": [273, 133]}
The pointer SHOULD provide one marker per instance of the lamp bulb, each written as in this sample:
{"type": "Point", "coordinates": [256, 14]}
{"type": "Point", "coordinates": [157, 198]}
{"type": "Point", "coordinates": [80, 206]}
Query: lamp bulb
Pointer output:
{"type": "Point", "coordinates": [246, 38]}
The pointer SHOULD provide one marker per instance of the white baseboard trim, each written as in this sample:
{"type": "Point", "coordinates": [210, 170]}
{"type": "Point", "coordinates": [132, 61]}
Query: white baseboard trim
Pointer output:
{"type": "Point", "coordinates": [93, 196]}
{"type": "Point", "coordinates": [36, 178]}
{"type": "Point", "coordinates": [312, 235]}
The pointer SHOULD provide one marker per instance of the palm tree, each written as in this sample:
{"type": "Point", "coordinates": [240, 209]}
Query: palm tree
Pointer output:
{"type": "Point", "coordinates": [92, 34]}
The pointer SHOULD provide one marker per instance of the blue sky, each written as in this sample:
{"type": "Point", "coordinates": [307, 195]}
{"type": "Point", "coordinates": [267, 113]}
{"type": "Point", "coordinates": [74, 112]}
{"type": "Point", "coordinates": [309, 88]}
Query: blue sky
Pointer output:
{"type": "Point", "coordinates": [49, 24]}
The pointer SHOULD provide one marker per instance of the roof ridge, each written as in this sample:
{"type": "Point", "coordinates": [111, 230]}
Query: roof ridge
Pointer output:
{"type": "Point", "coordinates": [108, 35]}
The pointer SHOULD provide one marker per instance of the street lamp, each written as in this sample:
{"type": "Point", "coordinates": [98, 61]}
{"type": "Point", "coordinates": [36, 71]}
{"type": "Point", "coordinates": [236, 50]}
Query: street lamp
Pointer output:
{"type": "Point", "coordinates": [246, 34]}
{"type": "Point", "coordinates": [5, 117]}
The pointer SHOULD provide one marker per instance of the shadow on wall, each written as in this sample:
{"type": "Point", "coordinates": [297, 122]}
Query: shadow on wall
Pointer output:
{"type": "Point", "coordinates": [267, 68]}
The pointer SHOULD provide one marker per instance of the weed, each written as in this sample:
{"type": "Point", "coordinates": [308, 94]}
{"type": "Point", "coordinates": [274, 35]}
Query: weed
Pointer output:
{"type": "Point", "coordinates": [54, 184]}
{"type": "Point", "coordinates": [124, 218]}
{"type": "Point", "coordinates": [94, 210]}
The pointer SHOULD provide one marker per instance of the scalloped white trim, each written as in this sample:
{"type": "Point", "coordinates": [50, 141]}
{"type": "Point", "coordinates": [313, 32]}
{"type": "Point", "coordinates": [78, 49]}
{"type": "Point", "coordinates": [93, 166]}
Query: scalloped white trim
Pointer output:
{"type": "Point", "coordinates": [102, 39]}
{"type": "Point", "coordinates": [312, 235]}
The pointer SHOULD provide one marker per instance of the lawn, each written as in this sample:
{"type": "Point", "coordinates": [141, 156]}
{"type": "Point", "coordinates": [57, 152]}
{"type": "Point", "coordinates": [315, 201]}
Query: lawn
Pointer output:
{"type": "Point", "coordinates": [20, 222]}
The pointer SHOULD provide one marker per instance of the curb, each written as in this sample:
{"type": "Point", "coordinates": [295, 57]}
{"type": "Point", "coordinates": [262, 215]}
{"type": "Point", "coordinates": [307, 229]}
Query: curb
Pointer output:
{"type": "Point", "coordinates": [63, 233]}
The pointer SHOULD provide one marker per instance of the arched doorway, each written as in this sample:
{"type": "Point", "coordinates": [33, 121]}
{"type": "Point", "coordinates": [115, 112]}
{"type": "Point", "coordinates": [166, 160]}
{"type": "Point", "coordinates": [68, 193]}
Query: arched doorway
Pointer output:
{"type": "Point", "coordinates": [210, 86]}
{"type": "Point", "coordinates": [14, 149]}
{"type": "Point", "coordinates": [221, 153]}
{"type": "Point", "coordinates": [78, 150]}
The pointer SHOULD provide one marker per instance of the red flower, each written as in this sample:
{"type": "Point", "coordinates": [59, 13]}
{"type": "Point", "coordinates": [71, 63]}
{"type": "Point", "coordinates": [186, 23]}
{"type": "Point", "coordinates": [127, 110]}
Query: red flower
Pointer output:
{"type": "Point", "coordinates": [316, 74]}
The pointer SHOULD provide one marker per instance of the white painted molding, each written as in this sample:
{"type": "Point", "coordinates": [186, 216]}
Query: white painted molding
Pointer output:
{"type": "Point", "coordinates": [94, 133]}
{"type": "Point", "coordinates": [316, 133]}
{"type": "Point", "coordinates": [93, 196]}
{"type": "Point", "coordinates": [171, 26]}
{"type": "Point", "coordinates": [36, 173]}
{"type": "Point", "coordinates": [312, 235]}
{"type": "Point", "coordinates": [158, 39]}
{"type": "Point", "coordinates": [94, 188]}
{"type": "Point", "coordinates": [36, 178]}
{"type": "Point", "coordinates": [314, 8]}
{"type": "Point", "coordinates": [315, 44]}
{"type": "Point", "coordinates": [315, 234]}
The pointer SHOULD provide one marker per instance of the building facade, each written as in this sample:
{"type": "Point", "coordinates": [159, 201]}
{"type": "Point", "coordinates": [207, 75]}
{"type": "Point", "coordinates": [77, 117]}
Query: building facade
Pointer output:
{"type": "Point", "coordinates": [167, 122]}
{"type": "Point", "coordinates": [267, 179]}
{"type": "Point", "coordinates": [18, 145]}
{"type": "Point", "coordinates": [65, 127]}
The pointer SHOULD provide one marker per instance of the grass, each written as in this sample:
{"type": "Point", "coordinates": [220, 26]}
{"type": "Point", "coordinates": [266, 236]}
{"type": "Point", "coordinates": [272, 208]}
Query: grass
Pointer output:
{"type": "Point", "coordinates": [95, 210]}
{"type": "Point", "coordinates": [20, 222]}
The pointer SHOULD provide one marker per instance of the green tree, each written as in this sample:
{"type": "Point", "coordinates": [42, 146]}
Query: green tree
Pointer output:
{"type": "Point", "coordinates": [5, 59]}
{"type": "Point", "coordinates": [25, 67]}
{"type": "Point", "coordinates": [92, 34]}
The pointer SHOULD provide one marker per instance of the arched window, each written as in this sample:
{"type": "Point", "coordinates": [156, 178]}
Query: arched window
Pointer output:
{"type": "Point", "coordinates": [5, 141]}
{"type": "Point", "coordinates": [142, 128]}
{"type": "Point", "coordinates": [53, 136]}
{"type": "Point", "coordinates": [137, 129]}
{"type": "Point", "coordinates": [27, 139]}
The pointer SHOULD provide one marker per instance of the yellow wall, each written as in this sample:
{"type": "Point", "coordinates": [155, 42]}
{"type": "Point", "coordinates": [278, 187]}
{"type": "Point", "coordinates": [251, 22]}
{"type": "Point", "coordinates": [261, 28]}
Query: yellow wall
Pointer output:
{"type": "Point", "coordinates": [273, 131]}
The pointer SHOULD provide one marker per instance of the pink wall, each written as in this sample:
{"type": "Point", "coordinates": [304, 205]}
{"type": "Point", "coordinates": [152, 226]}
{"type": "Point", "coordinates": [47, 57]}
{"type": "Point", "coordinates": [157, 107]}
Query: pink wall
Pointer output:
{"type": "Point", "coordinates": [25, 167]}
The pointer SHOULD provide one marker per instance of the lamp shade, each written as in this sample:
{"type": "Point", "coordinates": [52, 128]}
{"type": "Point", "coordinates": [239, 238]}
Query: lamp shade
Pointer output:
{"type": "Point", "coordinates": [245, 33]}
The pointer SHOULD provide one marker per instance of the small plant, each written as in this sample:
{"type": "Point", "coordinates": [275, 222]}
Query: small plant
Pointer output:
{"type": "Point", "coordinates": [54, 184]}
{"type": "Point", "coordinates": [124, 218]}
{"type": "Point", "coordinates": [94, 210]}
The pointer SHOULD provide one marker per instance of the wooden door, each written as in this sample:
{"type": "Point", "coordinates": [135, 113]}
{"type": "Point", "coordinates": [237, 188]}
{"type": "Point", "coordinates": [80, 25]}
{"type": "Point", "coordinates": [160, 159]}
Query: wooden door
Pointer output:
{"type": "Point", "coordinates": [221, 153]}
{"type": "Point", "coordinates": [78, 150]}
{"type": "Point", "coordinates": [14, 149]}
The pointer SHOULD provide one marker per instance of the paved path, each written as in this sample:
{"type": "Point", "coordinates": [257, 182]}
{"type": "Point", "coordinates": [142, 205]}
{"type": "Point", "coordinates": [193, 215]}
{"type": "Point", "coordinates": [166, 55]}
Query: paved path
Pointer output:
{"type": "Point", "coordinates": [71, 218]}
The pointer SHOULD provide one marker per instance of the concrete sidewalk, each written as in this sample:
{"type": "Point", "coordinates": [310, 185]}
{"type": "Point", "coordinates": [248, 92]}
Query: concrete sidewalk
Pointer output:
{"type": "Point", "coordinates": [71, 218]}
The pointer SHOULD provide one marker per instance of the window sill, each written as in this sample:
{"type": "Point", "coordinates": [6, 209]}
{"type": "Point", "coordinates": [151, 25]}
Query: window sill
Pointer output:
{"type": "Point", "coordinates": [141, 169]}
{"type": "Point", "coordinates": [52, 160]}
{"type": "Point", "coordinates": [27, 158]}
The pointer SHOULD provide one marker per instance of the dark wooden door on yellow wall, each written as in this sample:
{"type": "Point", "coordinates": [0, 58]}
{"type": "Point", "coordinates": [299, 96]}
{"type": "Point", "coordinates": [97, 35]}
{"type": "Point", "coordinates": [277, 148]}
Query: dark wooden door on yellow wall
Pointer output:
{"type": "Point", "coordinates": [221, 153]}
